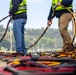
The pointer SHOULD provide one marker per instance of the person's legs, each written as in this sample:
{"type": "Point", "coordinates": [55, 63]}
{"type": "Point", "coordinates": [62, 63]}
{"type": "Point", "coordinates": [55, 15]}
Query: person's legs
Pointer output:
{"type": "Point", "coordinates": [64, 21]}
{"type": "Point", "coordinates": [18, 30]}
{"type": "Point", "coordinates": [23, 39]}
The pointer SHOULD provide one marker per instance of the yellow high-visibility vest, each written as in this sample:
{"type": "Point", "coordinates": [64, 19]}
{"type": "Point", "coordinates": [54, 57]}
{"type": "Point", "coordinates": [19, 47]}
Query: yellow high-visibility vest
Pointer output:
{"type": "Point", "coordinates": [54, 2]}
{"type": "Point", "coordinates": [22, 7]}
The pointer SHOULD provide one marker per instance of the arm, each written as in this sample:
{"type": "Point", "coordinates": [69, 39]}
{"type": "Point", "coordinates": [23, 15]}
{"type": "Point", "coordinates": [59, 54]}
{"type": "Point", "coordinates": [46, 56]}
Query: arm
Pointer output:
{"type": "Point", "coordinates": [50, 14]}
{"type": "Point", "coordinates": [50, 17]}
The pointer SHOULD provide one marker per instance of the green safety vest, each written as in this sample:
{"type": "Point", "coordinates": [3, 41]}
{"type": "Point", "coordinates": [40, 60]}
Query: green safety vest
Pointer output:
{"type": "Point", "coordinates": [54, 2]}
{"type": "Point", "coordinates": [22, 7]}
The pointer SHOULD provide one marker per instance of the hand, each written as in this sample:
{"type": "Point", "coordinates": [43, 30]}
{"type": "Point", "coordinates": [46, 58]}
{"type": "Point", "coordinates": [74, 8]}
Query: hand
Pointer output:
{"type": "Point", "coordinates": [58, 4]}
{"type": "Point", "coordinates": [49, 22]}
{"type": "Point", "coordinates": [10, 17]}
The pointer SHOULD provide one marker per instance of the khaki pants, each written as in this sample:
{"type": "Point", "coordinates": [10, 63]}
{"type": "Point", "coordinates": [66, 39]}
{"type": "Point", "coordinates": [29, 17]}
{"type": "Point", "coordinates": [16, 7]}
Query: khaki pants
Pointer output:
{"type": "Point", "coordinates": [64, 21]}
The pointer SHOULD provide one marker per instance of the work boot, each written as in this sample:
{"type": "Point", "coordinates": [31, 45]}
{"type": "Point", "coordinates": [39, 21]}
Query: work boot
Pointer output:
{"type": "Point", "coordinates": [68, 47]}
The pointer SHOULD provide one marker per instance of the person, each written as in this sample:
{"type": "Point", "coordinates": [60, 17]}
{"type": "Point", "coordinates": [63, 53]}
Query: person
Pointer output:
{"type": "Point", "coordinates": [18, 11]}
{"type": "Point", "coordinates": [64, 18]}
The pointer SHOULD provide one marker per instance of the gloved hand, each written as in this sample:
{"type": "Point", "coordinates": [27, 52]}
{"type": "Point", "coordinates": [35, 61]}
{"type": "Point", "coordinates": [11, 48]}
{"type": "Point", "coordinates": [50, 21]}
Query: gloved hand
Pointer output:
{"type": "Point", "coordinates": [49, 22]}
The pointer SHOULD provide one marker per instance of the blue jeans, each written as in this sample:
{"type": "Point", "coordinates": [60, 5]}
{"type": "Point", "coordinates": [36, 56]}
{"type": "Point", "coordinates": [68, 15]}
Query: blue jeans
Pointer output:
{"type": "Point", "coordinates": [18, 30]}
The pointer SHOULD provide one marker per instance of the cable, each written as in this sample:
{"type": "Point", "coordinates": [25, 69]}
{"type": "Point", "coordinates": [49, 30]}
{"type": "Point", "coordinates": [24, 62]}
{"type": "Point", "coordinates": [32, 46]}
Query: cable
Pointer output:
{"type": "Point", "coordinates": [6, 30]}
{"type": "Point", "coordinates": [4, 18]}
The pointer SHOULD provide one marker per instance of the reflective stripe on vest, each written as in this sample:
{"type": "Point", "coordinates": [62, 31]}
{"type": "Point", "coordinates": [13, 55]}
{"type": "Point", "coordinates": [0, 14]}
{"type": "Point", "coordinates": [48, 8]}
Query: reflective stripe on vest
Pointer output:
{"type": "Point", "coordinates": [54, 2]}
{"type": "Point", "coordinates": [22, 7]}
